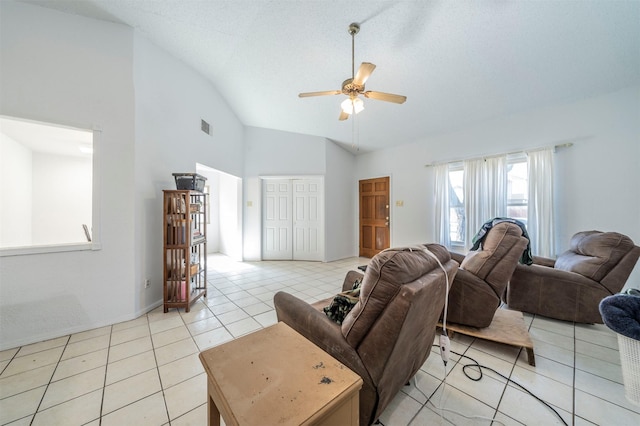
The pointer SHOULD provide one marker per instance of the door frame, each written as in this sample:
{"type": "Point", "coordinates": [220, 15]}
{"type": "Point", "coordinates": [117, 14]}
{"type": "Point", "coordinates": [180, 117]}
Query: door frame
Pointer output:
{"type": "Point", "coordinates": [389, 218]}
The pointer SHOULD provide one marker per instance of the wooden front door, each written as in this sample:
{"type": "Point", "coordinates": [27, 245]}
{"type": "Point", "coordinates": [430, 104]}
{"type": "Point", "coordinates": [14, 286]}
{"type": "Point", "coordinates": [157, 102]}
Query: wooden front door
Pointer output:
{"type": "Point", "coordinates": [374, 216]}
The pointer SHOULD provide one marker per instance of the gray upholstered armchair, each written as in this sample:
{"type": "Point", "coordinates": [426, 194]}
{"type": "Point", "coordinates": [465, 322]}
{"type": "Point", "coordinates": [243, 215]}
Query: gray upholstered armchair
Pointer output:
{"type": "Point", "coordinates": [388, 334]}
{"type": "Point", "coordinates": [479, 286]}
{"type": "Point", "coordinates": [571, 287]}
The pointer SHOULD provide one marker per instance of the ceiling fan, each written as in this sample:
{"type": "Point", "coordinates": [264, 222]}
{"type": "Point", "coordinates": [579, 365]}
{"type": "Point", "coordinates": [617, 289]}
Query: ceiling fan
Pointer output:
{"type": "Point", "coordinates": [354, 86]}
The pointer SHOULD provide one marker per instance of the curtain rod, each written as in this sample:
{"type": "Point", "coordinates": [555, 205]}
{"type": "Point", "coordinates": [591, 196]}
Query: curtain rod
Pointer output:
{"type": "Point", "coordinates": [555, 148]}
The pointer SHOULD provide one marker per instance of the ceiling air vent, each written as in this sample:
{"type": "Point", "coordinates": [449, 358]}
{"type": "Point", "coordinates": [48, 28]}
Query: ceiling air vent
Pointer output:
{"type": "Point", "coordinates": [204, 126]}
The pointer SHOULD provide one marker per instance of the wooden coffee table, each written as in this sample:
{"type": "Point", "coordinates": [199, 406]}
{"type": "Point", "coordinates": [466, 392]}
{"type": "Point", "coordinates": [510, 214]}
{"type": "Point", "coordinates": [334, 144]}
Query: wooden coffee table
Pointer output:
{"type": "Point", "coordinates": [276, 376]}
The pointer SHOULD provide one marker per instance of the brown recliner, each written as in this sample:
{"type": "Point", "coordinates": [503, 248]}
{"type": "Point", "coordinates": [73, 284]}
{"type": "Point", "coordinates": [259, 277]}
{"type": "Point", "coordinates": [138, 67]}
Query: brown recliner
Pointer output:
{"type": "Point", "coordinates": [479, 286]}
{"type": "Point", "coordinates": [571, 287]}
{"type": "Point", "coordinates": [388, 334]}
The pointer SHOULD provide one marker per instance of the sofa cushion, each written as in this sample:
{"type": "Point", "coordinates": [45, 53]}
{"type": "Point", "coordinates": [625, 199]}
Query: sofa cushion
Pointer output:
{"type": "Point", "coordinates": [474, 260]}
{"type": "Point", "coordinates": [593, 253]}
{"type": "Point", "coordinates": [386, 273]}
{"type": "Point", "coordinates": [498, 241]}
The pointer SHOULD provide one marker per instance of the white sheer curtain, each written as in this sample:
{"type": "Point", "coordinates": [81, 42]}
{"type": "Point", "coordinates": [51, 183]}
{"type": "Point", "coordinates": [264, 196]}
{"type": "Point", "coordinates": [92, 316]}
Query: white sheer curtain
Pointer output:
{"type": "Point", "coordinates": [474, 212]}
{"type": "Point", "coordinates": [540, 213]}
{"type": "Point", "coordinates": [485, 192]}
{"type": "Point", "coordinates": [496, 186]}
{"type": "Point", "coordinates": [441, 172]}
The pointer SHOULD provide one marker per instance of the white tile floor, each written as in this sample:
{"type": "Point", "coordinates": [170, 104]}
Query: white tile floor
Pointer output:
{"type": "Point", "coordinates": [147, 371]}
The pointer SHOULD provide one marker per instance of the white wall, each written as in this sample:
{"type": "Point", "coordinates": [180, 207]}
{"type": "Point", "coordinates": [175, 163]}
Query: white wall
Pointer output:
{"type": "Point", "coordinates": [171, 99]}
{"type": "Point", "coordinates": [596, 179]}
{"type": "Point", "coordinates": [252, 219]}
{"type": "Point", "coordinates": [62, 190]}
{"type": "Point", "coordinates": [16, 188]}
{"type": "Point", "coordinates": [230, 214]}
{"type": "Point", "coordinates": [213, 227]}
{"type": "Point", "coordinates": [224, 231]}
{"type": "Point", "coordinates": [274, 153]}
{"type": "Point", "coordinates": [64, 69]}
{"type": "Point", "coordinates": [79, 72]}
{"type": "Point", "coordinates": [341, 207]}
{"type": "Point", "coordinates": [278, 153]}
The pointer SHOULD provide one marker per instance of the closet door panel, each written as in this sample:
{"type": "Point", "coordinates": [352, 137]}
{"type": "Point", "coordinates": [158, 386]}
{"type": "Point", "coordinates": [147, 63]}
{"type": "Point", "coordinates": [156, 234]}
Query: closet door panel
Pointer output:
{"type": "Point", "coordinates": [277, 227]}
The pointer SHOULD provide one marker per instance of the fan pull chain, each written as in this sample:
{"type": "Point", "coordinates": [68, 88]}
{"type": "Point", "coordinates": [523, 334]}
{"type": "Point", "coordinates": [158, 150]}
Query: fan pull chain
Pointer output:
{"type": "Point", "coordinates": [355, 133]}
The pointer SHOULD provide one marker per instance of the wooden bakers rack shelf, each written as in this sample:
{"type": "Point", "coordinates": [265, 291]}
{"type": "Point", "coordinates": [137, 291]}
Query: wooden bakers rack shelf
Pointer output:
{"type": "Point", "coordinates": [185, 248]}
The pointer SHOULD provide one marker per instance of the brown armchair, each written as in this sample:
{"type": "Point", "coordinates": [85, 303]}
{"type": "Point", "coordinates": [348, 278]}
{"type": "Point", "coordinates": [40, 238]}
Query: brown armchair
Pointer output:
{"type": "Point", "coordinates": [571, 287]}
{"type": "Point", "coordinates": [480, 283]}
{"type": "Point", "coordinates": [388, 334]}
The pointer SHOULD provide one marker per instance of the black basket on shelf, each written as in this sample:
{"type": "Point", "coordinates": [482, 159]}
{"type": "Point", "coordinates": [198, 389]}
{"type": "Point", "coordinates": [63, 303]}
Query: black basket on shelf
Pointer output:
{"type": "Point", "coordinates": [189, 181]}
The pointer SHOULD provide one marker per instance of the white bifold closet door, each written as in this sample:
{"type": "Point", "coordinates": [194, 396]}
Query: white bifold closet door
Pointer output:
{"type": "Point", "coordinates": [293, 220]}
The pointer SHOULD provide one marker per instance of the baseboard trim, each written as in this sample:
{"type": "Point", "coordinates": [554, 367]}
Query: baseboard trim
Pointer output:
{"type": "Point", "coordinates": [28, 340]}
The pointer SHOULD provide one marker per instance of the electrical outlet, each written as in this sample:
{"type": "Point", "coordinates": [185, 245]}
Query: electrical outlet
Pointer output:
{"type": "Point", "coordinates": [147, 283]}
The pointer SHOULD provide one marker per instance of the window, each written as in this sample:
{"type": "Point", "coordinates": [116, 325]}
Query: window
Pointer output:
{"type": "Point", "coordinates": [46, 179]}
{"type": "Point", "coordinates": [517, 188]}
{"type": "Point", "coordinates": [471, 192]}
{"type": "Point", "coordinates": [456, 204]}
{"type": "Point", "coordinates": [516, 197]}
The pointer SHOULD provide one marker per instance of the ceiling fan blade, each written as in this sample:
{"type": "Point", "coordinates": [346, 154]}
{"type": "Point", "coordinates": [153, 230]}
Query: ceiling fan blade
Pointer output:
{"type": "Point", "coordinates": [387, 97]}
{"type": "Point", "coordinates": [365, 70]}
{"type": "Point", "coordinates": [327, 92]}
{"type": "Point", "coordinates": [343, 116]}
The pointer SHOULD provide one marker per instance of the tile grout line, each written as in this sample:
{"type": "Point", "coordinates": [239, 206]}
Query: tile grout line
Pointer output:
{"type": "Point", "coordinates": [106, 371]}
{"type": "Point", "coordinates": [573, 390]}
{"type": "Point", "coordinates": [194, 342]}
{"type": "Point", "coordinates": [50, 379]}
{"type": "Point", "coordinates": [138, 400]}
{"type": "Point", "coordinates": [298, 276]}
{"type": "Point", "coordinates": [443, 385]}
{"type": "Point", "coordinates": [504, 391]}
{"type": "Point", "coordinates": [153, 348]}
{"type": "Point", "coordinates": [182, 381]}
{"type": "Point", "coordinates": [10, 360]}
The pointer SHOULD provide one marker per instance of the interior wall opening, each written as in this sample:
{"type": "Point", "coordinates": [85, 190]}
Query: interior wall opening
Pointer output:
{"type": "Point", "coordinates": [46, 178]}
{"type": "Point", "coordinates": [224, 212]}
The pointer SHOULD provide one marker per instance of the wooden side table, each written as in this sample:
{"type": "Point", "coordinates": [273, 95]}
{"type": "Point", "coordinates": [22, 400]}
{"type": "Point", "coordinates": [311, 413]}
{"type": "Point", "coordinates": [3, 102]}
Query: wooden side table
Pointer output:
{"type": "Point", "coordinates": [276, 376]}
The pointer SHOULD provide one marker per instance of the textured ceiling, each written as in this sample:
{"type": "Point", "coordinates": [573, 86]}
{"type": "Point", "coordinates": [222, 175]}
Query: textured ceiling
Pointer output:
{"type": "Point", "coordinates": [458, 62]}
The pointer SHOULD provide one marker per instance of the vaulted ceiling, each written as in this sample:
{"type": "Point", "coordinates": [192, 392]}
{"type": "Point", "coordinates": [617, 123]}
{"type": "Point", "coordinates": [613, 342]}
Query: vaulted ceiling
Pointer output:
{"type": "Point", "coordinates": [458, 62]}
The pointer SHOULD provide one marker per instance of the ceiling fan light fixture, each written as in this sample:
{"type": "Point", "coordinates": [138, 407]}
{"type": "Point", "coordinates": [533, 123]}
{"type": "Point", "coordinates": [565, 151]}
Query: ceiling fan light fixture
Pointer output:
{"type": "Point", "coordinates": [349, 105]}
{"type": "Point", "coordinates": [354, 86]}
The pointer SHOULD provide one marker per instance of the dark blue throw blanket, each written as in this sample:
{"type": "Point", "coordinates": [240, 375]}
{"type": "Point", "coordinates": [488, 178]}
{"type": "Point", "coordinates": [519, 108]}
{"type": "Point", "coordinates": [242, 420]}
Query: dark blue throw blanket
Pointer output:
{"type": "Point", "coordinates": [621, 313]}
